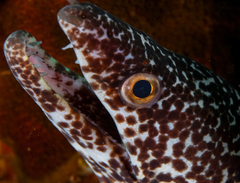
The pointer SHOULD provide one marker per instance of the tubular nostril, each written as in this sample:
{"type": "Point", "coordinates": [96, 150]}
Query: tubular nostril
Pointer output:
{"type": "Point", "coordinates": [83, 16]}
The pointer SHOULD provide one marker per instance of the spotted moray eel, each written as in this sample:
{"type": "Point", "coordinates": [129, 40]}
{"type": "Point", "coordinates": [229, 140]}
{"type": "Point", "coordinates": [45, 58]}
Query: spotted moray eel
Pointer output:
{"type": "Point", "coordinates": [141, 113]}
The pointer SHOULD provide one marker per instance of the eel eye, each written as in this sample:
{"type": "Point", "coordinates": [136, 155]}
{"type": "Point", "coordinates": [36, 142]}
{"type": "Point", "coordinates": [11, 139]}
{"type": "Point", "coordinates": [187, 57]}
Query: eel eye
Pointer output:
{"type": "Point", "coordinates": [140, 90]}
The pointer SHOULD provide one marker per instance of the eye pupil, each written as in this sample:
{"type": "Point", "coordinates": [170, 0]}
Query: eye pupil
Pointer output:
{"type": "Point", "coordinates": [142, 89]}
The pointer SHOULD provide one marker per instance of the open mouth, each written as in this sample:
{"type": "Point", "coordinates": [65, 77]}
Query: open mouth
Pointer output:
{"type": "Point", "coordinates": [71, 102]}
{"type": "Point", "coordinates": [162, 106]}
{"type": "Point", "coordinates": [67, 100]}
{"type": "Point", "coordinates": [72, 87]}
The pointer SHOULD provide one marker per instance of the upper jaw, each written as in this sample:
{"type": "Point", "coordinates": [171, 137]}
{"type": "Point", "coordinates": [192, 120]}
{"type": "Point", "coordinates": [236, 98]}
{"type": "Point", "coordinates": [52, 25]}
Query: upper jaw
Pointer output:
{"type": "Point", "coordinates": [70, 14]}
{"type": "Point", "coordinates": [97, 141]}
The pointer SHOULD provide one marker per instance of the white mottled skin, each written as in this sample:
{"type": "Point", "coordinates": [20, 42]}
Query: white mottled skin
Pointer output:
{"type": "Point", "coordinates": [93, 156]}
{"type": "Point", "coordinates": [109, 167]}
{"type": "Point", "coordinates": [174, 59]}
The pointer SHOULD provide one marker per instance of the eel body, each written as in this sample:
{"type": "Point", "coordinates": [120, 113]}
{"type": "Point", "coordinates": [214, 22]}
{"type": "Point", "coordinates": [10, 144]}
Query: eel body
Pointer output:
{"type": "Point", "coordinates": [141, 113]}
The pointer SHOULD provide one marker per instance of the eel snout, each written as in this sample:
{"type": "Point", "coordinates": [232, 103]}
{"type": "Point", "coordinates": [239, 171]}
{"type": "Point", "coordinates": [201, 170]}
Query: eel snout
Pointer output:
{"type": "Point", "coordinates": [31, 64]}
{"type": "Point", "coordinates": [67, 100]}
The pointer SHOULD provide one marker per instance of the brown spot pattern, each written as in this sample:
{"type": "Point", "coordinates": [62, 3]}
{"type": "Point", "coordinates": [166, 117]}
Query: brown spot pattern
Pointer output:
{"type": "Point", "coordinates": [195, 120]}
{"type": "Point", "coordinates": [183, 118]}
{"type": "Point", "coordinates": [73, 126]}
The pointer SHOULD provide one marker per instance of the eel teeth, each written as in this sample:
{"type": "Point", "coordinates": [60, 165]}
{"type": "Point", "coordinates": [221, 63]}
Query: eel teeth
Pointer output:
{"type": "Point", "coordinates": [40, 58]}
{"type": "Point", "coordinates": [34, 44]}
{"type": "Point", "coordinates": [76, 62]}
{"type": "Point", "coordinates": [43, 74]}
{"type": "Point", "coordinates": [68, 46]}
{"type": "Point", "coordinates": [31, 53]}
{"type": "Point", "coordinates": [36, 65]}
